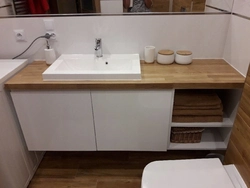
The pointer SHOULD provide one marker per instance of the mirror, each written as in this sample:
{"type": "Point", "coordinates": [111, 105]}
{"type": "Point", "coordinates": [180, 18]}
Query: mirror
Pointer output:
{"type": "Point", "coordinates": [103, 7]}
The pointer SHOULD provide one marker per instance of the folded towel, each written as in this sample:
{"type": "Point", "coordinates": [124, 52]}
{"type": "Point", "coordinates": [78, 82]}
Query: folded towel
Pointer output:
{"type": "Point", "coordinates": [199, 112]}
{"type": "Point", "coordinates": [189, 119]}
{"type": "Point", "coordinates": [197, 98]}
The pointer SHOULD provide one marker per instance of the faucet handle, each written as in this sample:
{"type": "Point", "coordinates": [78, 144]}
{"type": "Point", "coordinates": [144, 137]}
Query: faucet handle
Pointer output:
{"type": "Point", "coordinates": [98, 47]}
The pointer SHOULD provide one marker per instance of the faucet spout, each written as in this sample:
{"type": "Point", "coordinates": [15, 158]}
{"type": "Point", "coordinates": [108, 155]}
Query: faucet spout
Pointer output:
{"type": "Point", "coordinates": [98, 47]}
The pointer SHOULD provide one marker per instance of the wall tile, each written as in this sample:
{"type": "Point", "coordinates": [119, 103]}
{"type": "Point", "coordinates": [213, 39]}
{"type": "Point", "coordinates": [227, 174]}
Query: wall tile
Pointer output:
{"type": "Point", "coordinates": [202, 34]}
{"type": "Point", "coordinates": [221, 4]}
{"type": "Point", "coordinates": [111, 6]}
{"type": "Point", "coordinates": [242, 7]}
{"type": "Point", "coordinates": [237, 45]}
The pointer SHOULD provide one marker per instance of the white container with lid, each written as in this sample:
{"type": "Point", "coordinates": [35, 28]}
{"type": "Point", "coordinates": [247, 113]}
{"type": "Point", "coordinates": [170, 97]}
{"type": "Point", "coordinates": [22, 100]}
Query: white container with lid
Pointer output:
{"type": "Point", "coordinates": [183, 57]}
{"type": "Point", "coordinates": [165, 57]}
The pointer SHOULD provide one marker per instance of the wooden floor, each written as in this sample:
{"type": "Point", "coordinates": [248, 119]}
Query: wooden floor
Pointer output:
{"type": "Point", "coordinates": [99, 169]}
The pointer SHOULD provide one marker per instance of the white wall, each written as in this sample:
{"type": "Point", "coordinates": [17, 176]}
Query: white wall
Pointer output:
{"type": "Point", "coordinates": [242, 7]}
{"type": "Point", "coordinates": [202, 34]}
{"type": "Point", "coordinates": [237, 47]}
{"type": "Point", "coordinates": [221, 4]}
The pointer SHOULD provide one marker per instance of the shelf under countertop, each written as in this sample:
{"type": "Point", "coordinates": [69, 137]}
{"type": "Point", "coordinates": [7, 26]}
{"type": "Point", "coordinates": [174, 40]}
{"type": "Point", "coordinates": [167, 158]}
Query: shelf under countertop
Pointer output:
{"type": "Point", "coordinates": [210, 140]}
{"type": "Point", "coordinates": [227, 122]}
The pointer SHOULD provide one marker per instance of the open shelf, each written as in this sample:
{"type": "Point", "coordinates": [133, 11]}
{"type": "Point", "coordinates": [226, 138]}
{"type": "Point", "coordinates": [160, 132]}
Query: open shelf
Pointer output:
{"type": "Point", "coordinates": [216, 134]}
{"type": "Point", "coordinates": [210, 140]}
{"type": "Point", "coordinates": [226, 123]}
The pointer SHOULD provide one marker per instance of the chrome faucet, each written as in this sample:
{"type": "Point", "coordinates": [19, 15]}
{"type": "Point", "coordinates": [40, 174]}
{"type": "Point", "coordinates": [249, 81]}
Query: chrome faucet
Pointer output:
{"type": "Point", "coordinates": [98, 47]}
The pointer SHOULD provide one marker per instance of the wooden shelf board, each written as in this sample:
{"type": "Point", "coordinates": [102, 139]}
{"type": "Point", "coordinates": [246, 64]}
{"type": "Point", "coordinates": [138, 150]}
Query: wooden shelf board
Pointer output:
{"type": "Point", "coordinates": [211, 140]}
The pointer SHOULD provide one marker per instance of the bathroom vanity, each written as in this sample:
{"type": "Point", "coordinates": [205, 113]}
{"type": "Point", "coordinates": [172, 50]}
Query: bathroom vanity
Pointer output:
{"type": "Point", "coordinates": [120, 115]}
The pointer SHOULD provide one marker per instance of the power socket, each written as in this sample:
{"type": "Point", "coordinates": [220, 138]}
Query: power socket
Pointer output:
{"type": "Point", "coordinates": [19, 35]}
{"type": "Point", "coordinates": [53, 37]}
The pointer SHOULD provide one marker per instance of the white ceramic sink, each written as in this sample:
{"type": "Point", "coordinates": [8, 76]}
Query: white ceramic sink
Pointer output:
{"type": "Point", "coordinates": [77, 67]}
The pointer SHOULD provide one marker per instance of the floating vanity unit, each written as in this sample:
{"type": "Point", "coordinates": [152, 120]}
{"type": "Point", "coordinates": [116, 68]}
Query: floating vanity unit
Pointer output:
{"type": "Point", "coordinates": [78, 67]}
{"type": "Point", "coordinates": [134, 115]}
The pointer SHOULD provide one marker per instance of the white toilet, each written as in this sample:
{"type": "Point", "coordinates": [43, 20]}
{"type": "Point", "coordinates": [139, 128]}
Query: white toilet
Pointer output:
{"type": "Point", "coordinates": [195, 173]}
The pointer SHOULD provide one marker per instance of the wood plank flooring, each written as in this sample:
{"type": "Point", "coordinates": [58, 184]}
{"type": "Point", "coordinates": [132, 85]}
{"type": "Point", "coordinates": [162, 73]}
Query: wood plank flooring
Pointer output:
{"type": "Point", "coordinates": [100, 169]}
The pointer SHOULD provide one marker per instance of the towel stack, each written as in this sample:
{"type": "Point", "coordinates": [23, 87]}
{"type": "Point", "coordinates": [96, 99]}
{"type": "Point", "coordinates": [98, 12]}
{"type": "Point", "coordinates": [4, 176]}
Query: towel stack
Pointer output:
{"type": "Point", "coordinates": [197, 106]}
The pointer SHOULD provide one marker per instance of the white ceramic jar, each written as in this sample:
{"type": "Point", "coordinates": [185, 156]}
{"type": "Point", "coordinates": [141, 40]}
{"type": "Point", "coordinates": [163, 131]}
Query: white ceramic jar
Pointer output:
{"type": "Point", "coordinates": [165, 57]}
{"type": "Point", "coordinates": [183, 57]}
{"type": "Point", "coordinates": [149, 54]}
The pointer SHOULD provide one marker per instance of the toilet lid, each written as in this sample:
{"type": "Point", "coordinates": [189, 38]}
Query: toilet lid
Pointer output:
{"type": "Point", "coordinates": [195, 173]}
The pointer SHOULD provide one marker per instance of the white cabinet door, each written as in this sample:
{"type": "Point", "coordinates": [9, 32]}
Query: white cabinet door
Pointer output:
{"type": "Point", "coordinates": [56, 120]}
{"type": "Point", "coordinates": [132, 120]}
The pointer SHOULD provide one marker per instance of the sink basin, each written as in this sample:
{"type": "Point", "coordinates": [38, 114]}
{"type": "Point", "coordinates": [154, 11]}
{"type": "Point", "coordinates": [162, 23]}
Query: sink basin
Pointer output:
{"type": "Point", "coordinates": [77, 67]}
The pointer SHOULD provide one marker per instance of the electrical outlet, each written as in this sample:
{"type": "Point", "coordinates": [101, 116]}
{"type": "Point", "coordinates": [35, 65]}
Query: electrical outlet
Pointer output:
{"type": "Point", "coordinates": [19, 35]}
{"type": "Point", "coordinates": [53, 37]}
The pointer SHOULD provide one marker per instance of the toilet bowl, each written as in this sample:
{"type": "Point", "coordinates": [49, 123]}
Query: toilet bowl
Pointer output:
{"type": "Point", "coordinates": [194, 173]}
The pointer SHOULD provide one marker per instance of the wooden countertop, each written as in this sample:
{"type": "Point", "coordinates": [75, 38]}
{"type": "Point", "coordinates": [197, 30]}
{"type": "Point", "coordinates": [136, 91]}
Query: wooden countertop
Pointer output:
{"type": "Point", "coordinates": [209, 73]}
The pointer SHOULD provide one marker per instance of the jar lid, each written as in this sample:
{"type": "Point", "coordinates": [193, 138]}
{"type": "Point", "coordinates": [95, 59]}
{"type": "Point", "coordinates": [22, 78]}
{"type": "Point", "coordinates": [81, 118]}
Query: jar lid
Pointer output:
{"type": "Point", "coordinates": [183, 52]}
{"type": "Point", "coordinates": [166, 52]}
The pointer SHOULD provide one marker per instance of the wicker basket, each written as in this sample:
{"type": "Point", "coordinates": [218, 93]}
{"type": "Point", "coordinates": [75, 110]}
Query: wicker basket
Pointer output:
{"type": "Point", "coordinates": [186, 135]}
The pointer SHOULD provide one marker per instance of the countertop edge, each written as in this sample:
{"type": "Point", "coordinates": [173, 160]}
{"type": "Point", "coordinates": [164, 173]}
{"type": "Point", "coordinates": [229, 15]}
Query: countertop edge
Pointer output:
{"type": "Point", "coordinates": [124, 86]}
